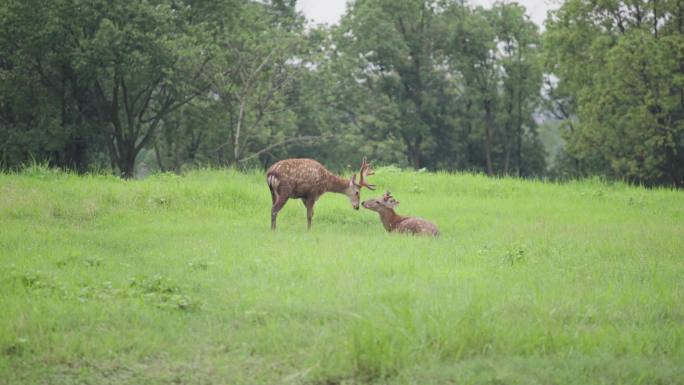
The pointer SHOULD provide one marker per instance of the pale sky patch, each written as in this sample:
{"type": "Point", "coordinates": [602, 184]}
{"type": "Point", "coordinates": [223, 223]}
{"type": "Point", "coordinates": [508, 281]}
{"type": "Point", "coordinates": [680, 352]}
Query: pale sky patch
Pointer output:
{"type": "Point", "coordinates": [330, 11]}
{"type": "Point", "coordinates": [322, 11]}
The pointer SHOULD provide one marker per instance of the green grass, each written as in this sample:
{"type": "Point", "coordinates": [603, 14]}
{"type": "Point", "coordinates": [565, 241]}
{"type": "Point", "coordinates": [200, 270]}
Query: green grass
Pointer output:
{"type": "Point", "coordinates": [179, 280]}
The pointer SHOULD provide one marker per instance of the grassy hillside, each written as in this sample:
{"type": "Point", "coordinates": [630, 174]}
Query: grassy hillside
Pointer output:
{"type": "Point", "coordinates": [179, 280]}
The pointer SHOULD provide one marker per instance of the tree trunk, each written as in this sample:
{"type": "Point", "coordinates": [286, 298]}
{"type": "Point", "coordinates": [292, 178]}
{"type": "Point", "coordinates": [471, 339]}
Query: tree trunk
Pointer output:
{"type": "Point", "coordinates": [177, 163]}
{"type": "Point", "coordinates": [236, 139]}
{"type": "Point", "coordinates": [127, 160]}
{"type": "Point", "coordinates": [519, 157]}
{"type": "Point", "coordinates": [507, 147]}
{"type": "Point", "coordinates": [413, 151]}
{"type": "Point", "coordinates": [157, 154]}
{"type": "Point", "coordinates": [195, 141]}
{"type": "Point", "coordinates": [508, 139]}
{"type": "Point", "coordinates": [465, 136]}
{"type": "Point", "coordinates": [672, 167]}
{"type": "Point", "coordinates": [488, 135]}
{"type": "Point", "coordinates": [519, 150]}
{"type": "Point", "coordinates": [416, 157]}
{"type": "Point", "coordinates": [127, 168]}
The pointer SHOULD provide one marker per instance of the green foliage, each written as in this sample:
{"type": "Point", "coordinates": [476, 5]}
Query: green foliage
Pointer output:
{"type": "Point", "coordinates": [179, 279]}
{"type": "Point", "coordinates": [173, 85]}
{"type": "Point", "coordinates": [461, 83]}
{"type": "Point", "coordinates": [166, 85]}
{"type": "Point", "coordinates": [619, 65]}
{"type": "Point", "coordinates": [107, 72]}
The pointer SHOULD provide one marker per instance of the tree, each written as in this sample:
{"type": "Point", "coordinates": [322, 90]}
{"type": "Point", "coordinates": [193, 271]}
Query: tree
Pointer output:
{"type": "Point", "coordinates": [259, 61]}
{"type": "Point", "coordinates": [627, 85]}
{"type": "Point", "coordinates": [101, 72]}
{"type": "Point", "coordinates": [519, 55]}
{"type": "Point", "coordinates": [45, 110]}
{"type": "Point", "coordinates": [397, 44]}
{"type": "Point", "coordinates": [145, 60]}
{"type": "Point", "coordinates": [496, 54]}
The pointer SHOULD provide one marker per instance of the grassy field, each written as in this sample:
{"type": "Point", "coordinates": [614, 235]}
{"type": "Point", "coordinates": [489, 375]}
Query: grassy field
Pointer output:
{"type": "Point", "coordinates": [179, 280]}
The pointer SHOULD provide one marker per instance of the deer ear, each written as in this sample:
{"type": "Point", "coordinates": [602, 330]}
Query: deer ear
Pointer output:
{"type": "Point", "coordinates": [352, 182]}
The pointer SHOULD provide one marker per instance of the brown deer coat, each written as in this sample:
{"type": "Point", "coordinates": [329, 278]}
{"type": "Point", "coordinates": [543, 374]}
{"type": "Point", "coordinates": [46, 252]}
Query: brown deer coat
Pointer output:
{"type": "Point", "coordinates": [394, 222]}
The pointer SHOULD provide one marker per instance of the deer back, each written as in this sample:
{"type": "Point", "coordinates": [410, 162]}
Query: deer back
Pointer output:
{"type": "Point", "coordinates": [300, 177]}
{"type": "Point", "coordinates": [416, 225]}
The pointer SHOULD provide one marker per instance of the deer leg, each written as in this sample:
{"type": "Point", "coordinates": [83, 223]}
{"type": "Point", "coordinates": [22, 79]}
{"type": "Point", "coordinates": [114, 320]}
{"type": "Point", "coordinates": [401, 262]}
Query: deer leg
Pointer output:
{"type": "Point", "coordinates": [309, 203]}
{"type": "Point", "coordinates": [280, 202]}
{"type": "Point", "coordinates": [273, 196]}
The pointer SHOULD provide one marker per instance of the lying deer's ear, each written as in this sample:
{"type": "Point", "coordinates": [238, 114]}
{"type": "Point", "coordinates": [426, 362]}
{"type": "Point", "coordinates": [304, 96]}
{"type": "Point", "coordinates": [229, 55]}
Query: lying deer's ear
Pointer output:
{"type": "Point", "coordinates": [352, 182]}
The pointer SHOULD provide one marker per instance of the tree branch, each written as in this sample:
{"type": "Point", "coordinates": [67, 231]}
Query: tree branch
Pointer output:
{"type": "Point", "coordinates": [297, 139]}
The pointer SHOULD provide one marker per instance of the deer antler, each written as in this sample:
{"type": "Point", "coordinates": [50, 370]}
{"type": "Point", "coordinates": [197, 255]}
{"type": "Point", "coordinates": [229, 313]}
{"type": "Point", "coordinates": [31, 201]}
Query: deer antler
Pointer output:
{"type": "Point", "coordinates": [366, 171]}
{"type": "Point", "coordinates": [386, 196]}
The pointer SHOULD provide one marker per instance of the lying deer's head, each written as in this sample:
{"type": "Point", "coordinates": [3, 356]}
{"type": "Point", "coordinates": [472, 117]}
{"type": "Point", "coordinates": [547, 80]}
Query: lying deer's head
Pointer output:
{"type": "Point", "coordinates": [354, 190]}
{"type": "Point", "coordinates": [386, 202]}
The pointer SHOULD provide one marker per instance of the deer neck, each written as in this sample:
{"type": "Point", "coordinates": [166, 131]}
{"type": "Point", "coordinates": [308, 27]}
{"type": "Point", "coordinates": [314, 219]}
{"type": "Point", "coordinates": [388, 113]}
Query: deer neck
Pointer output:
{"type": "Point", "coordinates": [337, 184]}
{"type": "Point", "coordinates": [390, 219]}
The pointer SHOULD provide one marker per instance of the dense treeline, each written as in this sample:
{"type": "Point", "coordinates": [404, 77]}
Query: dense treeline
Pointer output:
{"type": "Point", "coordinates": [620, 89]}
{"type": "Point", "coordinates": [167, 84]}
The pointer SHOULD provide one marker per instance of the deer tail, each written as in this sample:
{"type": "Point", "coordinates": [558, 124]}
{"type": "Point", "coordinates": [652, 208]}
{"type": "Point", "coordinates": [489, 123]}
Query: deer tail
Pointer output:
{"type": "Point", "coordinates": [273, 182]}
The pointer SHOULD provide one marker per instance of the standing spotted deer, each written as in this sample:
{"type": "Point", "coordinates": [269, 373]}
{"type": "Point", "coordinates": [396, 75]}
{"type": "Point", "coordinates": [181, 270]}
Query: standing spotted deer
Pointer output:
{"type": "Point", "coordinates": [308, 180]}
{"type": "Point", "coordinates": [394, 222]}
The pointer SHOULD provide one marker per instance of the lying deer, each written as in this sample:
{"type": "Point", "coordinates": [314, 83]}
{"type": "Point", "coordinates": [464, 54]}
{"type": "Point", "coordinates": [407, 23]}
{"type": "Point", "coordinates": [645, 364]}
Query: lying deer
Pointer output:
{"type": "Point", "coordinates": [308, 180]}
{"type": "Point", "coordinates": [394, 222]}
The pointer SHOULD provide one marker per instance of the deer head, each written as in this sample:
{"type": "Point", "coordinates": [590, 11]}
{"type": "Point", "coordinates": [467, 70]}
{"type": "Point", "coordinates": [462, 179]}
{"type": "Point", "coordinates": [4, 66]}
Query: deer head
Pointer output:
{"type": "Point", "coordinates": [354, 189]}
{"type": "Point", "coordinates": [387, 201]}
